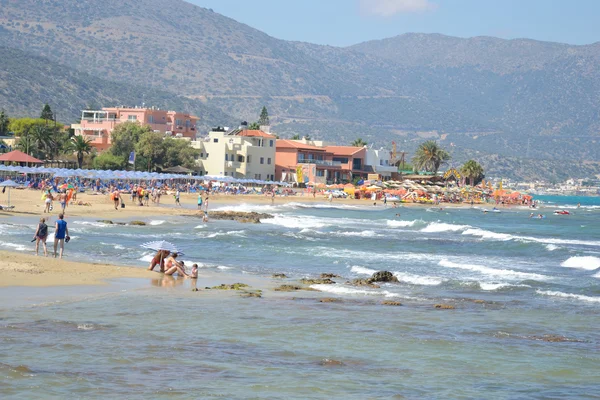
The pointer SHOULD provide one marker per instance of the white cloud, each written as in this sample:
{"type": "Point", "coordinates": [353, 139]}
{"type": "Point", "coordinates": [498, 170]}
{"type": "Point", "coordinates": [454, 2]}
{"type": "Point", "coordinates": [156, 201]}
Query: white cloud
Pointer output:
{"type": "Point", "coordinates": [387, 8]}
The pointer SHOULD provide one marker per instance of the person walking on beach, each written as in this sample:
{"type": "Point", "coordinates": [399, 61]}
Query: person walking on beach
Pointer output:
{"type": "Point", "coordinates": [48, 202]}
{"type": "Point", "coordinates": [177, 194]}
{"type": "Point", "coordinates": [41, 234]}
{"type": "Point", "coordinates": [200, 201]}
{"type": "Point", "coordinates": [61, 233]}
{"type": "Point", "coordinates": [116, 198]}
{"type": "Point", "coordinates": [63, 201]}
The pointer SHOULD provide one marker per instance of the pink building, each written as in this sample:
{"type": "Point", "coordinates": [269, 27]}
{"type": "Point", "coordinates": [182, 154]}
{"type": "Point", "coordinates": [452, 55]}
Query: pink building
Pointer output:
{"type": "Point", "coordinates": [300, 161]}
{"type": "Point", "coordinates": [97, 125]}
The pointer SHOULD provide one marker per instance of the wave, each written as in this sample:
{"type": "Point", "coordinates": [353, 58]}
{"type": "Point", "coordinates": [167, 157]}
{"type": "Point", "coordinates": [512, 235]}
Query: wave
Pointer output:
{"type": "Point", "coordinates": [489, 286]}
{"type": "Point", "coordinates": [245, 207]}
{"type": "Point", "coordinates": [362, 270]}
{"type": "Point", "coordinates": [16, 246]}
{"type": "Point", "coordinates": [488, 234]}
{"type": "Point", "coordinates": [345, 290]}
{"type": "Point", "coordinates": [295, 222]}
{"type": "Point", "coordinates": [484, 234]}
{"type": "Point", "coordinates": [241, 233]}
{"type": "Point", "coordinates": [366, 233]}
{"type": "Point", "coordinates": [200, 226]}
{"type": "Point", "coordinates": [114, 245]}
{"type": "Point", "coordinates": [506, 273]}
{"type": "Point", "coordinates": [402, 224]}
{"type": "Point", "coordinates": [323, 206]}
{"type": "Point", "coordinates": [552, 247]}
{"type": "Point", "coordinates": [156, 222]}
{"type": "Point", "coordinates": [92, 223]}
{"type": "Point", "coordinates": [589, 263]}
{"type": "Point", "coordinates": [436, 227]}
{"type": "Point", "coordinates": [569, 296]}
{"type": "Point", "coordinates": [418, 279]}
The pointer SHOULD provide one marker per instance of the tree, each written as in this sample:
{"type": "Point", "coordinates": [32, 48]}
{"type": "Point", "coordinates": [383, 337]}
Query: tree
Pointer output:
{"type": "Point", "coordinates": [47, 114]}
{"type": "Point", "coordinates": [21, 126]}
{"type": "Point", "coordinates": [179, 152]}
{"type": "Point", "coordinates": [430, 157]}
{"type": "Point", "coordinates": [296, 137]}
{"type": "Point", "coordinates": [472, 170]}
{"type": "Point", "coordinates": [263, 120]}
{"type": "Point", "coordinates": [151, 150]}
{"type": "Point", "coordinates": [124, 138]}
{"type": "Point", "coordinates": [81, 146]}
{"type": "Point", "coordinates": [359, 143]}
{"type": "Point", "coordinates": [4, 121]}
{"type": "Point", "coordinates": [254, 126]}
{"type": "Point", "coordinates": [107, 160]}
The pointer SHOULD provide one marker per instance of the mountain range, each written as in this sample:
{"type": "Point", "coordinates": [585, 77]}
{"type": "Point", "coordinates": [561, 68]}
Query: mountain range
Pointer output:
{"type": "Point", "coordinates": [526, 109]}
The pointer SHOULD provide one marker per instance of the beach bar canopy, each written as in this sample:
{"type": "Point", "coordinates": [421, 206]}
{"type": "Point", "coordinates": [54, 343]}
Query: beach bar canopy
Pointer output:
{"type": "Point", "coordinates": [129, 175]}
{"type": "Point", "coordinates": [19, 157]}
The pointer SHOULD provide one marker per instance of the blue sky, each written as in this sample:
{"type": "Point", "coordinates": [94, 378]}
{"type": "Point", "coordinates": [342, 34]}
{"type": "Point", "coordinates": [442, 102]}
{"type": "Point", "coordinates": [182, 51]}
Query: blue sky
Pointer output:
{"type": "Point", "coordinates": [347, 22]}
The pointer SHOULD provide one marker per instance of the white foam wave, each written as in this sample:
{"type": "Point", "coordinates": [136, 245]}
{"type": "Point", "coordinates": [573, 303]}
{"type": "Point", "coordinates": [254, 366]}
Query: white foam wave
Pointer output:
{"type": "Point", "coordinates": [505, 273]}
{"type": "Point", "coordinates": [488, 234]}
{"type": "Point", "coordinates": [92, 223]}
{"type": "Point", "coordinates": [589, 263]}
{"type": "Point", "coordinates": [552, 247]}
{"type": "Point", "coordinates": [436, 227]}
{"type": "Point", "coordinates": [114, 245]}
{"type": "Point", "coordinates": [228, 233]}
{"type": "Point", "coordinates": [222, 267]}
{"type": "Point", "coordinates": [245, 207]}
{"type": "Point", "coordinates": [402, 224]}
{"type": "Point", "coordinates": [367, 233]}
{"type": "Point", "coordinates": [146, 258]}
{"type": "Point", "coordinates": [489, 286]}
{"type": "Point", "coordinates": [418, 279]}
{"type": "Point", "coordinates": [16, 246]}
{"type": "Point", "coordinates": [362, 270]}
{"type": "Point", "coordinates": [156, 222]}
{"type": "Point", "coordinates": [292, 222]}
{"type": "Point", "coordinates": [200, 226]}
{"type": "Point", "coordinates": [569, 296]}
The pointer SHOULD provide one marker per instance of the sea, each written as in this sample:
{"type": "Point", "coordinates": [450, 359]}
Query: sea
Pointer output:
{"type": "Point", "coordinates": [525, 321]}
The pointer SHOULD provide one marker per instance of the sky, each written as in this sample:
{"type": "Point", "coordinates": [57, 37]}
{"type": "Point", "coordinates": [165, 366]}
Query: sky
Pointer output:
{"type": "Point", "coordinates": [347, 22]}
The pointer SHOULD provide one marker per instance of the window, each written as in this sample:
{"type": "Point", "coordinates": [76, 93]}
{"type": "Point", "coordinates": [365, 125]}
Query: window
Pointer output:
{"type": "Point", "coordinates": [150, 119]}
{"type": "Point", "coordinates": [320, 172]}
{"type": "Point", "coordinates": [132, 117]}
{"type": "Point", "coordinates": [216, 140]}
{"type": "Point", "coordinates": [343, 160]}
{"type": "Point", "coordinates": [201, 155]}
{"type": "Point", "coordinates": [187, 123]}
{"type": "Point", "coordinates": [240, 158]}
{"type": "Point", "coordinates": [262, 160]}
{"type": "Point", "coordinates": [226, 157]}
{"type": "Point", "coordinates": [178, 122]}
{"type": "Point", "coordinates": [269, 160]}
{"type": "Point", "coordinates": [271, 143]}
{"type": "Point", "coordinates": [248, 159]}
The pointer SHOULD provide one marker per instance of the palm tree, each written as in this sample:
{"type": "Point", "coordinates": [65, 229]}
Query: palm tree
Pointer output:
{"type": "Point", "coordinates": [472, 170]}
{"type": "Point", "coordinates": [81, 146]}
{"type": "Point", "coordinates": [359, 143]}
{"type": "Point", "coordinates": [430, 157]}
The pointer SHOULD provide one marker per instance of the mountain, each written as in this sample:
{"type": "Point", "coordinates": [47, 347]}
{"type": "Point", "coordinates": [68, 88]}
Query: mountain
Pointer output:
{"type": "Point", "coordinates": [526, 102]}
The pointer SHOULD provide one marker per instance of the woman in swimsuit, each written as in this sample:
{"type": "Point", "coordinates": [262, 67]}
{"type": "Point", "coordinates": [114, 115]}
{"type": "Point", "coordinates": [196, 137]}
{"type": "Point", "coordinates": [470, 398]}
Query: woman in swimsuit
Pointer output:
{"type": "Point", "coordinates": [159, 259]}
{"type": "Point", "coordinates": [172, 266]}
{"type": "Point", "coordinates": [41, 234]}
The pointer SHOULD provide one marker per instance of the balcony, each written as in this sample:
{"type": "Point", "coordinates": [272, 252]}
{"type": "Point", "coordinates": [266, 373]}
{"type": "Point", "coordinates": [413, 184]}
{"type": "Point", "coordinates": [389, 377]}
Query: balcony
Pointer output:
{"type": "Point", "coordinates": [324, 163]}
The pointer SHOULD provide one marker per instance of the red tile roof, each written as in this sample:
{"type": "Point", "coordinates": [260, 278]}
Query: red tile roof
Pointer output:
{"type": "Point", "coordinates": [344, 150]}
{"type": "Point", "coordinates": [19, 156]}
{"type": "Point", "coordinates": [255, 133]}
{"type": "Point", "coordinates": [287, 144]}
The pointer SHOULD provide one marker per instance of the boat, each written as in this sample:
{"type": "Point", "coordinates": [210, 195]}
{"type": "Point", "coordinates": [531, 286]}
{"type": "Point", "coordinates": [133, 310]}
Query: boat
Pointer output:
{"type": "Point", "coordinates": [561, 212]}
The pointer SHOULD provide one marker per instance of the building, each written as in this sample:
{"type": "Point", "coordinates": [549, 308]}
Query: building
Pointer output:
{"type": "Point", "coordinates": [381, 162]}
{"type": "Point", "coordinates": [240, 153]}
{"type": "Point", "coordinates": [97, 125]}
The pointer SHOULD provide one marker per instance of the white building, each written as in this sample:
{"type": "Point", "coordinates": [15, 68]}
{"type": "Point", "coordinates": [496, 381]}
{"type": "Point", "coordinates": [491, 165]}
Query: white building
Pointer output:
{"type": "Point", "coordinates": [248, 154]}
{"type": "Point", "coordinates": [381, 162]}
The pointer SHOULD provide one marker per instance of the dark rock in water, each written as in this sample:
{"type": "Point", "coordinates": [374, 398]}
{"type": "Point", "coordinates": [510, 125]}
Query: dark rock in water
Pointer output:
{"type": "Point", "coordinates": [234, 286]}
{"type": "Point", "coordinates": [291, 288]}
{"type": "Point", "coordinates": [195, 290]}
{"type": "Point", "coordinates": [444, 307]}
{"type": "Point", "coordinates": [363, 282]}
{"type": "Point", "coordinates": [257, 294]}
{"type": "Point", "coordinates": [391, 303]}
{"type": "Point", "coordinates": [328, 362]}
{"type": "Point", "coordinates": [281, 276]}
{"type": "Point", "coordinates": [245, 217]}
{"type": "Point", "coordinates": [137, 223]}
{"type": "Point", "coordinates": [327, 275]}
{"type": "Point", "coordinates": [326, 281]}
{"type": "Point", "coordinates": [330, 300]}
{"type": "Point", "coordinates": [105, 221]}
{"type": "Point", "coordinates": [383, 276]}
{"type": "Point", "coordinates": [553, 338]}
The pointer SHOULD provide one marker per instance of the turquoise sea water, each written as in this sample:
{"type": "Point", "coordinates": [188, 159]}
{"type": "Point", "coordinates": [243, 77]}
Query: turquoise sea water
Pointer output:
{"type": "Point", "coordinates": [516, 282]}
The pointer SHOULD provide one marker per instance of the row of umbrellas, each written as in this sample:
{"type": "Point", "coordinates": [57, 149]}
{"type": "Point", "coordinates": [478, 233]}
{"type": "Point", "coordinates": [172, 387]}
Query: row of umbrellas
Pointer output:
{"type": "Point", "coordinates": [132, 175]}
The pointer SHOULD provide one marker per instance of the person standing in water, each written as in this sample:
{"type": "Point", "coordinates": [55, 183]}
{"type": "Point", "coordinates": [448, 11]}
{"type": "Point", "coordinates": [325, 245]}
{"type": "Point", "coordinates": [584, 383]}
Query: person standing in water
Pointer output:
{"type": "Point", "coordinates": [61, 233]}
{"type": "Point", "coordinates": [41, 234]}
{"type": "Point", "coordinates": [199, 201]}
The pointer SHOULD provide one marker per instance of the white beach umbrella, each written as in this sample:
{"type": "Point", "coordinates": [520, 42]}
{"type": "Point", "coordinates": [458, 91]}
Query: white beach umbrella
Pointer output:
{"type": "Point", "coordinates": [162, 245]}
{"type": "Point", "coordinates": [9, 184]}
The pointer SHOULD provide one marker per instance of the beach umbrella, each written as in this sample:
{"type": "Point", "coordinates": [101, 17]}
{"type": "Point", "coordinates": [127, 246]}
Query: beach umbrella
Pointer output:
{"type": "Point", "coordinates": [162, 245]}
{"type": "Point", "coordinates": [9, 184]}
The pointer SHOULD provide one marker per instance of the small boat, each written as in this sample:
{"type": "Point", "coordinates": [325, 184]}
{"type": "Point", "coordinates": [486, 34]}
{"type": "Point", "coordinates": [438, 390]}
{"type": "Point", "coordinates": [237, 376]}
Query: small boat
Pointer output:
{"type": "Point", "coordinates": [561, 212]}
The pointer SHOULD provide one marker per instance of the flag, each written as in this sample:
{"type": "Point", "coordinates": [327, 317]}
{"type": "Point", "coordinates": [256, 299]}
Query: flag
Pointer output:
{"type": "Point", "coordinates": [132, 157]}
